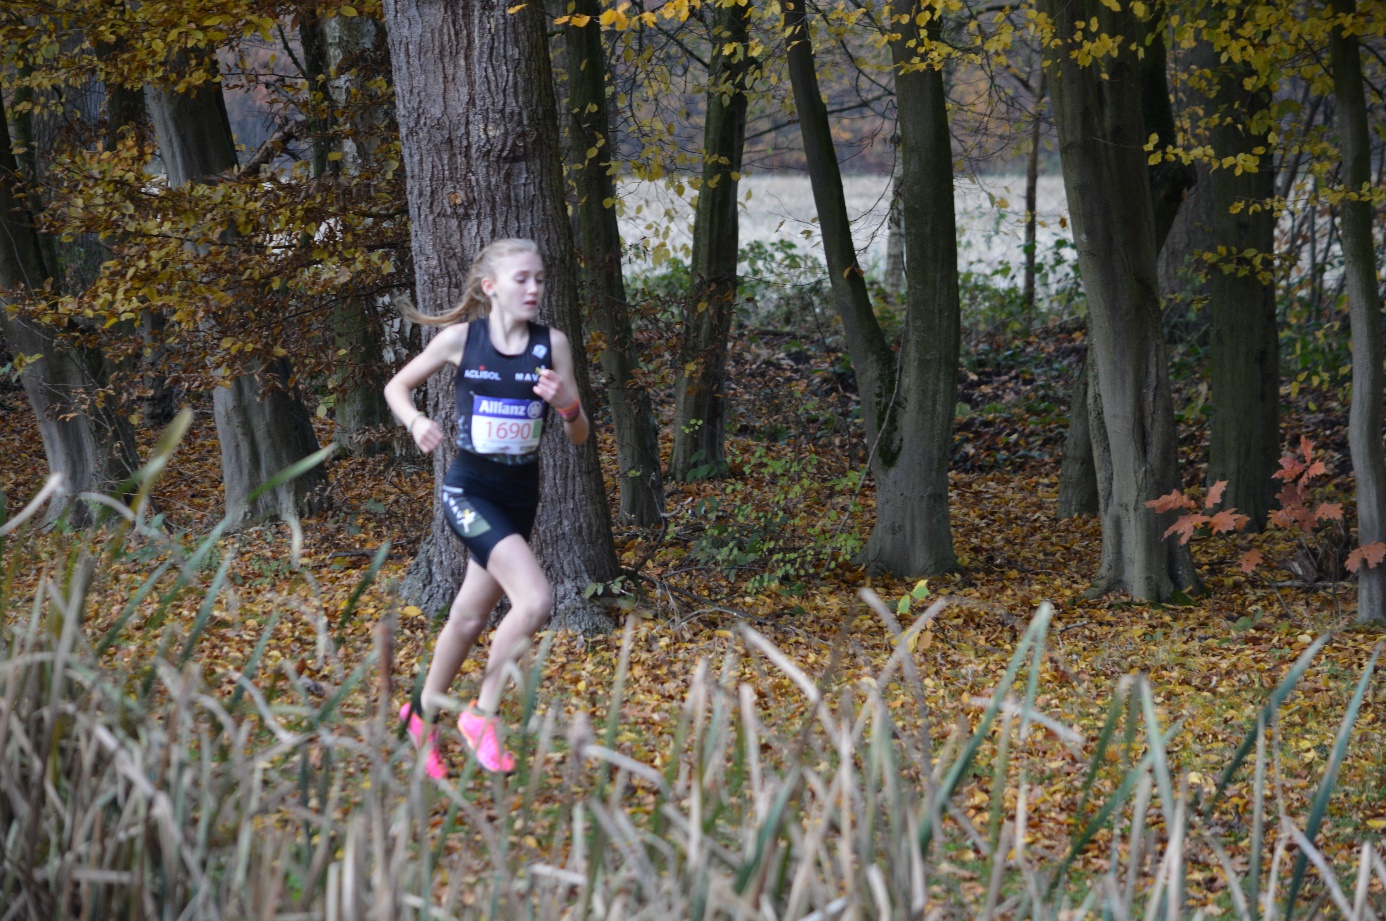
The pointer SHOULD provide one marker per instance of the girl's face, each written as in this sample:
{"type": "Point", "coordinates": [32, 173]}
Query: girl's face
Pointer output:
{"type": "Point", "coordinates": [517, 286]}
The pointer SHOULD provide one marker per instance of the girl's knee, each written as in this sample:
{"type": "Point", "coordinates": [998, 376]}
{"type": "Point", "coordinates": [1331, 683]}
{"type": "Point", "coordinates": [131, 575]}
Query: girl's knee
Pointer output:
{"type": "Point", "coordinates": [537, 608]}
{"type": "Point", "coordinates": [465, 620]}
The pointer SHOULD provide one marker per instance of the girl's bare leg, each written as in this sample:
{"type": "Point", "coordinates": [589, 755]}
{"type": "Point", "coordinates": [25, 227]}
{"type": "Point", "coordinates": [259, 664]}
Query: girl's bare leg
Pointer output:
{"type": "Point", "coordinates": [470, 610]}
{"type": "Point", "coordinates": [513, 567]}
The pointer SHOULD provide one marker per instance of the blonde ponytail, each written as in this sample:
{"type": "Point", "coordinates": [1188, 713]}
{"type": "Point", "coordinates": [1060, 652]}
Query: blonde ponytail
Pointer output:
{"type": "Point", "coordinates": [474, 301]}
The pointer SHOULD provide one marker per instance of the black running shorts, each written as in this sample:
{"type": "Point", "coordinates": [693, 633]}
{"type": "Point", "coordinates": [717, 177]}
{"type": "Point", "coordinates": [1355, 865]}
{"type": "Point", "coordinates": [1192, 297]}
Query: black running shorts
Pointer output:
{"type": "Point", "coordinates": [485, 502]}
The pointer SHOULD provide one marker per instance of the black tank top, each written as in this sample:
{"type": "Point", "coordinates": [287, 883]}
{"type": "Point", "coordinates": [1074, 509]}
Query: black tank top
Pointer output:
{"type": "Point", "coordinates": [499, 417]}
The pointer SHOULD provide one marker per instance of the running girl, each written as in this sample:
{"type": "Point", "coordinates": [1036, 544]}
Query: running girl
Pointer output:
{"type": "Point", "coordinates": [504, 361]}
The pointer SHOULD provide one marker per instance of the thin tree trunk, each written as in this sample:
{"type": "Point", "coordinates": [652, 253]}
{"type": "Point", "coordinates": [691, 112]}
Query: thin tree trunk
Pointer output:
{"type": "Point", "coordinates": [478, 125]}
{"type": "Point", "coordinates": [1183, 272]}
{"type": "Point", "coordinates": [1364, 305]}
{"type": "Point", "coordinates": [1101, 135]}
{"type": "Point", "coordinates": [86, 440]}
{"type": "Point", "coordinates": [261, 430]}
{"type": "Point", "coordinates": [908, 426]}
{"type": "Point", "coordinates": [700, 411]}
{"type": "Point", "coordinates": [1244, 435]}
{"type": "Point", "coordinates": [359, 386]}
{"type": "Point", "coordinates": [895, 225]}
{"type": "Point", "coordinates": [1078, 492]}
{"type": "Point", "coordinates": [1032, 201]}
{"type": "Point", "coordinates": [602, 284]}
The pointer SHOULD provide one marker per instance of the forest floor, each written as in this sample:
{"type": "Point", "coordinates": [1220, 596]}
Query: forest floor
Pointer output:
{"type": "Point", "coordinates": [793, 468]}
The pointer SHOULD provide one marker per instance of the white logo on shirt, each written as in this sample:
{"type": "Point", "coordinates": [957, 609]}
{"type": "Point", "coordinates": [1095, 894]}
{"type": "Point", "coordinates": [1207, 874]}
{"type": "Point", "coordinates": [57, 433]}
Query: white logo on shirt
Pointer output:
{"type": "Point", "coordinates": [541, 350]}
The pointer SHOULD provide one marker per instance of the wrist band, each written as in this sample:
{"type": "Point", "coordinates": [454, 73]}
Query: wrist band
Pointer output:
{"type": "Point", "coordinates": [570, 413]}
{"type": "Point", "coordinates": [410, 426]}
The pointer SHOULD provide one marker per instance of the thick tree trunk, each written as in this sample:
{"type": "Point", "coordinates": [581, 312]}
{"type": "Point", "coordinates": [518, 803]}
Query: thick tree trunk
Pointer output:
{"type": "Point", "coordinates": [1097, 111]}
{"type": "Point", "coordinates": [700, 410]}
{"type": "Point", "coordinates": [1364, 304]}
{"type": "Point", "coordinates": [1244, 437]}
{"type": "Point", "coordinates": [260, 432]}
{"type": "Point", "coordinates": [335, 52]}
{"type": "Point", "coordinates": [912, 535]}
{"type": "Point", "coordinates": [478, 124]}
{"type": "Point", "coordinates": [602, 284]}
{"type": "Point", "coordinates": [87, 441]}
{"type": "Point", "coordinates": [1168, 183]}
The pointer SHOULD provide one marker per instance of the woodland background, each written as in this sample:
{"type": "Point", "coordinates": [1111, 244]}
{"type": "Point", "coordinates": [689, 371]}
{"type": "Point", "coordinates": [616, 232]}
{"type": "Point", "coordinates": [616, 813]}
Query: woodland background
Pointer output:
{"type": "Point", "coordinates": [1068, 310]}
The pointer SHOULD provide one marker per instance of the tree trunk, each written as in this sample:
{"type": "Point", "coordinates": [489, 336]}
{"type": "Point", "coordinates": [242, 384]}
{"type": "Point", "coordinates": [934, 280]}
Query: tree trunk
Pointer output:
{"type": "Point", "coordinates": [336, 50]}
{"type": "Point", "coordinates": [913, 534]}
{"type": "Point", "coordinates": [86, 440]}
{"type": "Point", "coordinates": [894, 277]}
{"type": "Point", "coordinates": [700, 411]}
{"type": "Point", "coordinates": [1183, 272]}
{"type": "Point", "coordinates": [1078, 476]}
{"type": "Point", "coordinates": [260, 432]}
{"type": "Point", "coordinates": [478, 125]}
{"type": "Point", "coordinates": [1097, 111]}
{"type": "Point", "coordinates": [1031, 202]}
{"type": "Point", "coordinates": [907, 426]}
{"type": "Point", "coordinates": [1364, 305]}
{"type": "Point", "coordinates": [1168, 182]}
{"type": "Point", "coordinates": [602, 284]}
{"type": "Point", "coordinates": [1244, 436]}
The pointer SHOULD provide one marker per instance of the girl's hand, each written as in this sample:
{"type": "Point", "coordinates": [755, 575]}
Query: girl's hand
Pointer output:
{"type": "Point", "coordinates": [553, 390]}
{"type": "Point", "coordinates": [426, 434]}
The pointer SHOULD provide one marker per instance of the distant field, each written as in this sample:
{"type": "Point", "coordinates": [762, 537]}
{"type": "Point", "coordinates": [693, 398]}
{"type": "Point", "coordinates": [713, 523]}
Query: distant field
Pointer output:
{"type": "Point", "coordinates": [990, 216]}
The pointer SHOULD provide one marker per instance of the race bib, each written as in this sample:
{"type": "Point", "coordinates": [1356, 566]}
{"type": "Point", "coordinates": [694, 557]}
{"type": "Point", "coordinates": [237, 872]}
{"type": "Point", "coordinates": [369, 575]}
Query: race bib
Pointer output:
{"type": "Point", "coordinates": [505, 426]}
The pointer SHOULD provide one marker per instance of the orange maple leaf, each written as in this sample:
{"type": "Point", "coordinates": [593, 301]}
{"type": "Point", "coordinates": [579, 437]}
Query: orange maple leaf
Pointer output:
{"type": "Point", "coordinates": [1329, 511]}
{"type": "Point", "coordinates": [1227, 520]}
{"type": "Point", "coordinates": [1185, 526]}
{"type": "Point", "coordinates": [1250, 560]}
{"type": "Point", "coordinates": [1171, 502]}
{"type": "Point", "coordinates": [1315, 469]}
{"type": "Point", "coordinates": [1290, 468]}
{"type": "Point", "coordinates": [1372, 554]}
{"type": "Point", "coordinates": [1215, 494]}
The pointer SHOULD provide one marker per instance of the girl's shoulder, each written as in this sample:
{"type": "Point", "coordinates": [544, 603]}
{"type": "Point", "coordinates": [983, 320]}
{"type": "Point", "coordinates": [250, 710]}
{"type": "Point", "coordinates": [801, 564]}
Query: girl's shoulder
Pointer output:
{"type": "Point", "coordinates": [451, 341]}
{"type": "Point", "coordinates": [556, 335]}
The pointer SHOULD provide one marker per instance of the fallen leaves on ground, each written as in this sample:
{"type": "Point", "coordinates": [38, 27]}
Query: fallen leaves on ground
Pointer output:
{"type": "Point", "coordinates": [1212, 660]}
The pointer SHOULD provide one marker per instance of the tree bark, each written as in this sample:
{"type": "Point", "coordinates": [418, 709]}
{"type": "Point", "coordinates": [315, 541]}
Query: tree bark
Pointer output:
{"type": "Point", "coordinates": [85, 439]}
{"type": "Point", "coordinates": [1364, 305]}
{"type": "Point", "coordinates": [700, 411]}
{"type": "Point", "coordinates": [1031, 202]}
{"type": "Point", "coordinates": [1183, 273]}
{"type": "Point", "coordinates": [894, 276]}
{"type": "Point", "coordinates": [478, 124]}
{"type": "Point", "coordinates": [913, 533]}
{"type": "Point", "coordinates": [908, 424]}
{"type": "Point", "coordinates": [599, 259]}
{"type": "Point", "coordinates": [1097, 111]}
{"type": "Point", "coordinates": [1168, 183]}
{"type": "Point", "coordinates": [1244, 436]}
{"type": "Point", "coordinates": [1078, 476]}
{"type": "Point", "coordinates": [335, 53]}
{"type": "Point", "coordinates": [261, 430]}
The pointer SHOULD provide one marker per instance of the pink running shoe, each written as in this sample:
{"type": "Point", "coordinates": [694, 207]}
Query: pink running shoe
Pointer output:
{"type": "Point", "coordinates": [479, 732]}
{"type": "Point", "coordinates": [433, 763]}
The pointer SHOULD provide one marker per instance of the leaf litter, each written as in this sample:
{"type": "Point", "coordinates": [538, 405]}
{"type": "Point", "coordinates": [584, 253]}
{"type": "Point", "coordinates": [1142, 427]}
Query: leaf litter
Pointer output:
{"type": "Point", "coordinates": [1211, 660]}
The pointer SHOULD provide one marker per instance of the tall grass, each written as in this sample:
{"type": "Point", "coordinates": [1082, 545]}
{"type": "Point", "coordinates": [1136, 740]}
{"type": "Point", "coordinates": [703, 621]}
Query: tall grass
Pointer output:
{"type": "Point", "coordinates": [138, 792]}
